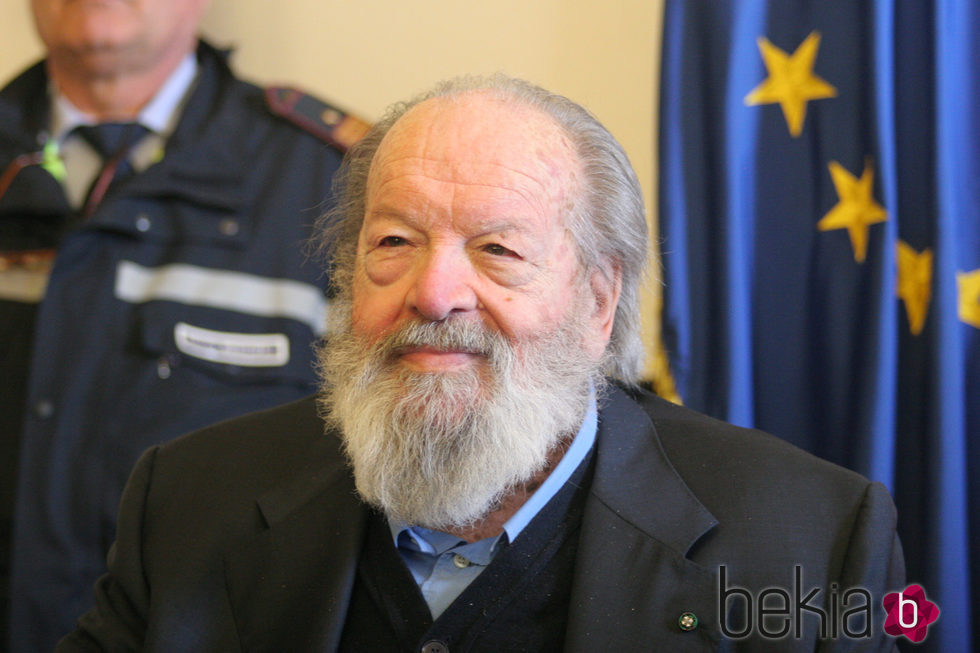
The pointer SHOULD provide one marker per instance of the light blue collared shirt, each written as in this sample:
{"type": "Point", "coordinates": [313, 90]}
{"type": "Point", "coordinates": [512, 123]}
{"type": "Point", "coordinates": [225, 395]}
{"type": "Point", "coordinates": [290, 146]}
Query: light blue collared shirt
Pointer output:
{"type": "Point", "coordinates": [159, 116]}
{"type": "Point", "coordinates": [443, 565]}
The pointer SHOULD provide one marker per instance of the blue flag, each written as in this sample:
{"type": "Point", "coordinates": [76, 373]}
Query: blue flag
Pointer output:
{"type": "Point", "coordinates": [820, 215]}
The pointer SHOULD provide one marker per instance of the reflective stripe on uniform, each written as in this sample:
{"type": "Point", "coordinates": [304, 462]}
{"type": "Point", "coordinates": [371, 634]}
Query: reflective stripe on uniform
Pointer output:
{"type": "Point", "coordinates": [235, 291]}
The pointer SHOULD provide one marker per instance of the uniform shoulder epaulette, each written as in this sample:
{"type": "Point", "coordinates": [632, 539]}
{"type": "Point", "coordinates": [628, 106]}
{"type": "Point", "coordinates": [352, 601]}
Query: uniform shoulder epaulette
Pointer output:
{"type": "Point", "coordinates": [328, 123]}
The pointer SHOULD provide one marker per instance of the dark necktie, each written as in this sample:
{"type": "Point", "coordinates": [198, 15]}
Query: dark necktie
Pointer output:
{"type": "Point", "coordinates": [113, 141]}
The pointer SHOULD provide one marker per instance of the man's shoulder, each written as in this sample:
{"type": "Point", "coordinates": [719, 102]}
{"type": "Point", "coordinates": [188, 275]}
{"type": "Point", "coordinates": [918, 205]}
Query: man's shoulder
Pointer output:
{"type": "Point", "coordinates": [285, 108]}
{"type": "Point", "coordinates": [274, 442]}
{"type": "Point", "coordinates": [26, 83]}
{"type": "Point", "coordinates": [22, 100]}
{"type": "Point", "coordinates": [703, 449]}
{"type": "Point", "coordinates": [291, 424]}
{"type": "Point", "coordinates": [763, 493]}
{"type": "Point", "coordinates": [207, 484]}
{"type": "Point", "coordinates": [328, 122]}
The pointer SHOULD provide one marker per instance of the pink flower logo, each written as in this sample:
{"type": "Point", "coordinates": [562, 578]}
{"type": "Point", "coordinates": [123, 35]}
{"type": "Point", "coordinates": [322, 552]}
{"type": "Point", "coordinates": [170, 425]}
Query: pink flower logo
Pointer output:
{"type": "Point", "coordinates": [909, 613]}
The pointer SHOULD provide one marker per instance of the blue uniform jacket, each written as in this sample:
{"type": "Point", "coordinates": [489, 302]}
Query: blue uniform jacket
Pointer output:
{"type": "Point", "coordinates": [185, 299]}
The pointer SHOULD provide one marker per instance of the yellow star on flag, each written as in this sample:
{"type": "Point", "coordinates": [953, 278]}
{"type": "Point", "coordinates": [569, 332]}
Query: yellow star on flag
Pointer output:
{"type": "Point", "coordinates": [791, 81]}
{"type": "Point", "coordinates": [968, 284]}
{"type": "Point", "coordinates": [915, 284]}
{"type": "Point", "coordinates": [856, 210]}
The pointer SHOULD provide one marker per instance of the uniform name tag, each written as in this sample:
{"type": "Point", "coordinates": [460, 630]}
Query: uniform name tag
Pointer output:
{"type": "Point", "coordinates": [243, 349]}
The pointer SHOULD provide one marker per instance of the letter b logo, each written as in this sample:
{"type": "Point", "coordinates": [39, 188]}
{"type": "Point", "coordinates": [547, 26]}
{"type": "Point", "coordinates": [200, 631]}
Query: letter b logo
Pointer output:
{"type": "Point", "coordinates": [902, 602]}
{"type": "Point", "coordinates": [909, 613]}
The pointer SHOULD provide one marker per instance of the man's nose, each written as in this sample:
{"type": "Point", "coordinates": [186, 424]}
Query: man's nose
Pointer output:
{"type": "Point", "coordinates": [443, 284]}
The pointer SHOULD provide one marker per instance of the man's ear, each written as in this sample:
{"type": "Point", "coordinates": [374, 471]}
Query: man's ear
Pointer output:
{"type": "Point", "coordinates": [605, 284]}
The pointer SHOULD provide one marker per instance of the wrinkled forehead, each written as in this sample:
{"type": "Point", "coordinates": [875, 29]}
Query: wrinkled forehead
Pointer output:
{"type": "Point", "coordinates": [477, 138]}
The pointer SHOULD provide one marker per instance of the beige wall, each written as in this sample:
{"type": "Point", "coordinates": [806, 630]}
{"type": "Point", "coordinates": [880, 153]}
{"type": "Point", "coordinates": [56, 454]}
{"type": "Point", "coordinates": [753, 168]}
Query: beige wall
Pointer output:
{"type": "Point", "coordinates": [363, 55]}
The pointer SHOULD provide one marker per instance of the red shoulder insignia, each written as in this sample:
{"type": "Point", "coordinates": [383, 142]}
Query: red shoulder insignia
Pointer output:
{"type": "Point", "coordinates": [326, 122]}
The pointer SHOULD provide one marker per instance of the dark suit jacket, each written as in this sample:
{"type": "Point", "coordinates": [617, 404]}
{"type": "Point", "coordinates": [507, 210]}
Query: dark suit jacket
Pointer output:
{"type": "Point", "coordinates": [245, 536]}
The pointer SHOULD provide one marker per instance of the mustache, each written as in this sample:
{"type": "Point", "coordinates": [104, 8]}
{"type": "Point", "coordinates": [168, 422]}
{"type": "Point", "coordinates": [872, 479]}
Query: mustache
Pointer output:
{"type": "Point", "coordinates": [450, 335]}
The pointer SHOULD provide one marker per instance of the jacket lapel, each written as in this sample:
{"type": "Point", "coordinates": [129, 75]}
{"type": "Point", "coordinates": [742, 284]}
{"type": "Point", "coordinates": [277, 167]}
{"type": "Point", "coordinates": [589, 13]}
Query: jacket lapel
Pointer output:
{"type": "Point", "coordinates": [632, 579]}
{"type": "Point", "coordinates": [289, 587]}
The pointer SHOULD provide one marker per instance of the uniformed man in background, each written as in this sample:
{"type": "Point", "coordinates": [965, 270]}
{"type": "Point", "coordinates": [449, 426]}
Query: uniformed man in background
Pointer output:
{"type": "Point", "coordinates": [152, 279]}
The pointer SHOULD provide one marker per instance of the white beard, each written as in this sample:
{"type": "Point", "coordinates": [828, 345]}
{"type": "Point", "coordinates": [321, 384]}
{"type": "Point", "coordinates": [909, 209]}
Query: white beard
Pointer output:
{"type": "Point", "coordinates": [440, 450]}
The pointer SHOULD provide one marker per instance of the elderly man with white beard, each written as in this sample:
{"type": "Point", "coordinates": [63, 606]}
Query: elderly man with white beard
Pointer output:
{"type": "Point", "coordinates": [479, 470]}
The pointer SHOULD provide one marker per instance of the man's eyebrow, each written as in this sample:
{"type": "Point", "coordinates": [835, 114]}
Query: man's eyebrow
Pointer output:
{"type": "Point", "coordinates": [391, 214]}
{"type": "Point", "coordinates": [481, 228]}
{"type": "Point", "coordinates": [387, 212]}
{"type": "Point", "coordinates": [502, 226]}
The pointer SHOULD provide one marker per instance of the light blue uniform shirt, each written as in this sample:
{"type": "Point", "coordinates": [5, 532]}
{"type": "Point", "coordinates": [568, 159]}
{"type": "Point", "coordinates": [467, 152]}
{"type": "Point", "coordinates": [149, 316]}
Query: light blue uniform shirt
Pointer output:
{"type": "Point", "coordinates": [443, 565]}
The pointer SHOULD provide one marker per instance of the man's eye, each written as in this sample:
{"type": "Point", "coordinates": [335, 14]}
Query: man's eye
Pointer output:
{"type": "Point", "coordinates": [498, 250]}
{"type": "Point", "coordinates": [392, 241]}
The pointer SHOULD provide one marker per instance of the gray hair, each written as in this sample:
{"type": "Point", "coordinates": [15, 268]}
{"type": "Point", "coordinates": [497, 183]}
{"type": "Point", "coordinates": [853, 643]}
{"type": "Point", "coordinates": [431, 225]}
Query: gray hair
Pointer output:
{"type": "Point", "coordinates": [607, 223]}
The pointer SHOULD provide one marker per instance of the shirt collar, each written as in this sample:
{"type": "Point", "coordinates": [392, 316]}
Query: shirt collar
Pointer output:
{"type": "Point", "coordinates": [436, 541]}
{"type": "Point", "coordinates": [160, 114]}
